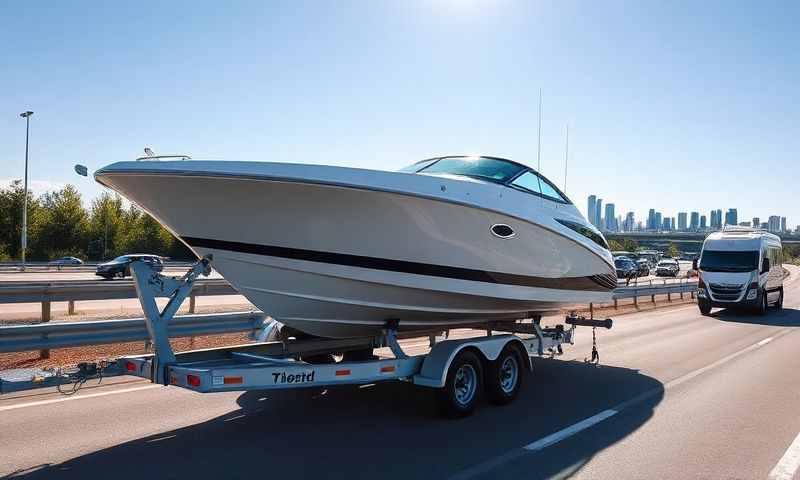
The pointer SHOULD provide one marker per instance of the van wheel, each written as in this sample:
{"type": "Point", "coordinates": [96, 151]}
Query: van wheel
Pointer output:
{"type": "Point", "coordinates": [762, 306]}
{"type": "Point", "coordinates": [504, 377]}
{"type": "Point", "coordinates": [705, 306]}
{"type": "Point", "coordinates": [463, 385]}
{"type": "Point", "coordinates": [779, 302]}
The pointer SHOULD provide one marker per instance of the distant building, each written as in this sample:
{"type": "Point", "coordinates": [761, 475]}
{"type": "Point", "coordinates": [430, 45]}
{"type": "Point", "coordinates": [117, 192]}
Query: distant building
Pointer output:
{"type": "Point", "coordinates": [598, 213]}
{"type": "Point", "coordinates": [657, 221]}
{"type": "Point", "coordinates": [744, 224]}
{"type": "Point", "coordinates": [591, 209]}
{"type": "Point", "coordinates": [703, 222]}
{"type": "Point", "coordinates": [756, 222]}
{"type": "Point", "coordinates": [682, 221]}
{"type": "Point", "coordinates": [764, 225]}
{"type": "Point", "coordinates": [716, 219]}
{"type": "Point", "coordinates": [774, 223]}
{"type": "Point", "coordinates": [783, 224]}
{"type": "Point", "coordinates": [694, 222]}
{"type": "Point", "coordinates": [731, 217]}
{"type": "Point", "coordinates": [651, 219]}
{"type": "Point", "coordinates": [666, 225]}
{"type": "Point", "coordinates": [610, 217]}
{"type": "Point", "coordinates": [629, 223]}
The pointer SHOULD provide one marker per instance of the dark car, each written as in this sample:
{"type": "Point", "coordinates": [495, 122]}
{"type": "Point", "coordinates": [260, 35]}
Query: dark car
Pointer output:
{"type": "Point", "coordinates": [120, 266]}
{"type": "Point", "coordinates": [668, 268]}
{"type": "Point", "coordinates": [626, 268]}
{"type": "Point", "coordinates": [643, 265]}
{"type": "Point", "coordinates": [60, 262]}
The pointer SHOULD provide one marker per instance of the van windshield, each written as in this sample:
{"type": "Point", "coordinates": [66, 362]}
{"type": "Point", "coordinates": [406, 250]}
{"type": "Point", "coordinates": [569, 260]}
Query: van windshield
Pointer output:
{"type": "Point", "coordinates": [729, 261]}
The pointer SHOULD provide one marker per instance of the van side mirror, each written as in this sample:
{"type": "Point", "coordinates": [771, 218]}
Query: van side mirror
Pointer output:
{"type": "Point", "coordinates": [765, 265]}
{"type": "Point", "coordinates": [694, 264]}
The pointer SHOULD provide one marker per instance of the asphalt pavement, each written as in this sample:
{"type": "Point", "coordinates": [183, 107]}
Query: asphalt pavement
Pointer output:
{"type": "Point", "coordinates": [677, 395]}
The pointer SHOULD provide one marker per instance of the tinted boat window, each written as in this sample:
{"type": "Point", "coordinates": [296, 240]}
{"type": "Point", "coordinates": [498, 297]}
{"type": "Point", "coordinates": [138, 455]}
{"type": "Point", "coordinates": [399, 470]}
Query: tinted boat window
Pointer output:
{"type": "Point", "coordinates": [416, 167]}
{"type": "Point", "coordinates": [483, 168]}
{"type": "Point", "coordinates": [585, 231]}
{"type": "Point", "coordinates": [729, 261]}
{"type": "Point", "coordinates": [535, 183]}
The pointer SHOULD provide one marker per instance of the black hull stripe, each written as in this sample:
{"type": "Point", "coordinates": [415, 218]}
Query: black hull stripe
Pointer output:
{"type": "Point", "coordinates": [597, 283]}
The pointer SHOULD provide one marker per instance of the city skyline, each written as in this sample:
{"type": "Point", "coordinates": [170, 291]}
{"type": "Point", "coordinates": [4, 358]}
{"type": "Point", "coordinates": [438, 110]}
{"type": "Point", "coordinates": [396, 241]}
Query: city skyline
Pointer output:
{"type": "Point", "coordinates": [692, 220]}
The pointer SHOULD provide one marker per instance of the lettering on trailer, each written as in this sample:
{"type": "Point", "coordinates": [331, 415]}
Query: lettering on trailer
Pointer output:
{"type": "Point", "coordinates": [283, 377]}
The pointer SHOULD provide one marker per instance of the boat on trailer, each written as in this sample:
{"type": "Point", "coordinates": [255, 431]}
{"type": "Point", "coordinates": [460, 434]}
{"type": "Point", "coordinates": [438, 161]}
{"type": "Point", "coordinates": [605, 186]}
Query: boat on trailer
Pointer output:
{"type": "Point", "coordinates": [336, 252]}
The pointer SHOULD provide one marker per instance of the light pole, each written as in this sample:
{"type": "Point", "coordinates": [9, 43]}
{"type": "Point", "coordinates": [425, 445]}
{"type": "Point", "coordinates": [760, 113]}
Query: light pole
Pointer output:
{"type": "Point", "coordinates": [27, 116]}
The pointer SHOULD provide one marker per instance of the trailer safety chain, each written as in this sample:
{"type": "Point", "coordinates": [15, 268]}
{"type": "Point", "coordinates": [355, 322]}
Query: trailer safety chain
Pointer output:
{"type": "Point", "coordinates": [76, 379]}
{"type": "Point", "coordinates": [595, 360]}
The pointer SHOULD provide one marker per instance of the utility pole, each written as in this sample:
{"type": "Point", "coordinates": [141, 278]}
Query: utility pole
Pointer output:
{"type": "Point", "coordinates": [27, 116]}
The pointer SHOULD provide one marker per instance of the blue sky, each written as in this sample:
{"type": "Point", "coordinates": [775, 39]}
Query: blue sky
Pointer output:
{"type": "Point", "coordinates": [672, 105]}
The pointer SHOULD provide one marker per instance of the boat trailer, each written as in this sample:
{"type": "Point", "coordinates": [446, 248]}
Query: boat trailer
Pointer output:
{"type": "Point", "coordinates": [459, 369]}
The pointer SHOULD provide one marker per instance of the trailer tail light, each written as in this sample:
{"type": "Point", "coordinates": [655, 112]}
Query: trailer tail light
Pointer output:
{"type": "Point", "coordinates": [193, 380]}
{"type": "Point", "coordinates": [130, 366]}
{"type": "Point", "coordinates": [233, 380]}
{"type": "Point", "coordinates": [388, 369]}
{"type": "Point", "coordinates": [342, 373]}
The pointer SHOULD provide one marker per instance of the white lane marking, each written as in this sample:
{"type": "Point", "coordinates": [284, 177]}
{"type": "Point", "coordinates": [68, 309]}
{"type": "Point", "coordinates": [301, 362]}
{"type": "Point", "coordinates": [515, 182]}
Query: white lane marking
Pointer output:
{"type": "Point", "coordinates": [75, 397]}
{"type": "Point", "coordinates": [570, 431]}
{"type": "Point", "coordinates": [789, 462]}
{"type": "Point", "coordinates": [554, 438]}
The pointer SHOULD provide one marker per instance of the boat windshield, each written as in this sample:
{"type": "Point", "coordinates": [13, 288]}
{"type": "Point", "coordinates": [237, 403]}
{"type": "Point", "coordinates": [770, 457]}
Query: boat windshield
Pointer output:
{"type": "Point", "coordinates": [729, 261]}
{"type": "Point", "coordinates": [483, 168]}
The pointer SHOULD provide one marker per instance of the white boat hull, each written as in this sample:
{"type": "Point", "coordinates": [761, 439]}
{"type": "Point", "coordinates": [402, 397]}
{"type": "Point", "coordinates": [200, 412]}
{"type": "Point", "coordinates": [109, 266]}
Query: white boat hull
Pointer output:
{"type": "Point", "coordinates": [339, 260]}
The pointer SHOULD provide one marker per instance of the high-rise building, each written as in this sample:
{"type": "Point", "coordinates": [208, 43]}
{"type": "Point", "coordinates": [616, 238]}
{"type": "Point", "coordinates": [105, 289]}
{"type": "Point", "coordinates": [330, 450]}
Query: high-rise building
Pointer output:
{"type": "Point", "coordinates": [703, 225]}
{"type": "Point", "coordinates": [591, 209]}
{"type": "Point", "coordinates": [682, 221]}
{"type": "Point", "coordinates": [666, 225]}
{"type": "Point", "coordinates": [629, 223]}
{"type": "Point", "coordinates": [657, 222]}
{"type": "Point", "coordinates": [756, 222]}
{"type": "Point", "coordinates": [610, 217]}
{"type": "Point", "coordinates": [774, 223]}
{"type": "Point", "coordinates": [694, 221]}
{"type": "Point", "coordinates": [651, 219]}
{"type": "Point", "coordinates": [731, 217]}
{"type": "Point", "coordinates": [598, 213]}
{"type": "Point", "coordinates": [716, 219]}
{"type": "Point", "coordinates": [783, 224]}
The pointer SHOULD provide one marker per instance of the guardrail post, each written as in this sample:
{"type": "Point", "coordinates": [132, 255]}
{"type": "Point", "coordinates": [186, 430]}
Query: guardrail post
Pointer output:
{"type": "Point", "coordinates": [71, 307]}
{"type": "Point", "coordinates": [191, 304]}
{"type": "Point", "coordinates": [45, 353]}
{"type": "Point", "coordinates": [692, 294]}
{"type": "Point", "coordinates": [615, 304]}
{"type": "Point", "coordinates": [669, 297]}
{"type": "Point", "coordinates": [591, 310]}
{"type": "Point", "coordinates": [653, 298]}
{"type": "Point", "coordinates": [636, 301]}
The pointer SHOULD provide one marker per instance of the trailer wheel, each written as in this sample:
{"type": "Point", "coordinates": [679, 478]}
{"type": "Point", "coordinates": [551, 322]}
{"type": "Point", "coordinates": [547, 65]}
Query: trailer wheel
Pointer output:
{"type": "Point", "coordinates": [504, 377]}
{"type": "Point", "coordinates": [463, 385]}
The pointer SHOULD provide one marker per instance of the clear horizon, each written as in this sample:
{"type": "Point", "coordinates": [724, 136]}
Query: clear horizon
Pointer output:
{"type": "Point", "coordinates": [675, 106]}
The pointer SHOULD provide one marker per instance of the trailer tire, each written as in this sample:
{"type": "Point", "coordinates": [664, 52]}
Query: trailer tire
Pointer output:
{"type": "Point", "coordinates": [779, 302]}
{"type": "Point", "coordinates": [462, 388]}
{"type": "Point", "coordinates": [504, 376]}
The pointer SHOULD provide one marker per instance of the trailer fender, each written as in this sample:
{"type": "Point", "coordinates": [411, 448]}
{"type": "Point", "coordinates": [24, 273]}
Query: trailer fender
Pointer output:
{"type": "Point", "coordinates": [436, 364]}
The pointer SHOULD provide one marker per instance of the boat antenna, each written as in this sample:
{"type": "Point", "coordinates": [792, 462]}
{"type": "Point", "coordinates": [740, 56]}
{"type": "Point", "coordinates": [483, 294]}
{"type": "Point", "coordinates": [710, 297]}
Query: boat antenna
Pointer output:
{"type": "Point", "coordinates": [539, 147]}
{"type": "Point", "coordinates": [566, 160]}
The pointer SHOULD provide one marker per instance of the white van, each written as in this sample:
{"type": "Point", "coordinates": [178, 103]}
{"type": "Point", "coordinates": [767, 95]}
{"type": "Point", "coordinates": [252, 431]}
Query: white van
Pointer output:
{"type": "Point", "coordinates": [740, 267]}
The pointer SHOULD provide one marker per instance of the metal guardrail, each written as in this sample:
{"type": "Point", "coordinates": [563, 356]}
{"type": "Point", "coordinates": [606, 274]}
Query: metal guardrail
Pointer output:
{"type": "Point", "coordinates": [664, 289]}
{"type": "Point", "coordinates": [75, 334]}
{"type": "Point", "coordinates": [75, 290]}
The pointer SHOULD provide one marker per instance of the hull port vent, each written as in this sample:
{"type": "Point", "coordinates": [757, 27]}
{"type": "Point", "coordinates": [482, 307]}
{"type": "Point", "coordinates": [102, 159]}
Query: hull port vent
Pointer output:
{"type": "Point", "coordinates": [502, 230]}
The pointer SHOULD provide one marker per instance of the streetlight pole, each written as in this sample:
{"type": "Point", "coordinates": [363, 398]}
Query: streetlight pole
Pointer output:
{"type": "Point", "coordinates": [27, 116]}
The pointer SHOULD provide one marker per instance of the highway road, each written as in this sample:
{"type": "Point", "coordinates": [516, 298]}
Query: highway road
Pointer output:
{"type": "Point", "coordinates": [678, 395]}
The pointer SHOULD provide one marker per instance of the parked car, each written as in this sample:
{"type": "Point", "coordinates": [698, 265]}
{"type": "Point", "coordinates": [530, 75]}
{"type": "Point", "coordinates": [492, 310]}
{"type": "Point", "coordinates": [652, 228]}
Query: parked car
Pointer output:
{"type": "Point", "coordinates": [120, 266]}
{"type": "Point", "coordinates": [60, 262]}
{"type": "Point", "coordinates": [643, 265]}
{"type": "Point", "coordinates": [626, 268]}
{"type": "Point", "coordinates": [668, 268]}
